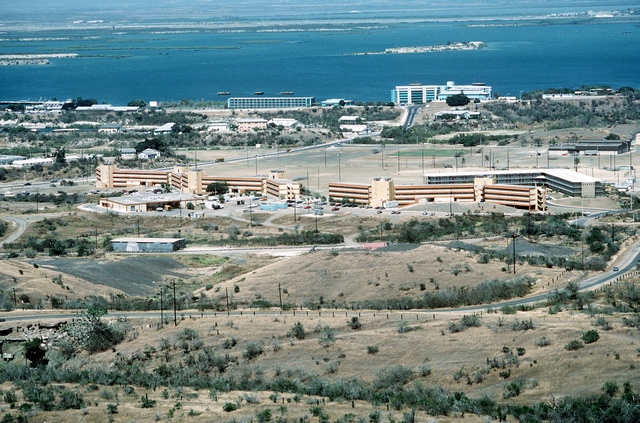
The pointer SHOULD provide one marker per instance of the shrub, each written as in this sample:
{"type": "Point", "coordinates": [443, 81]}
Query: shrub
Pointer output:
{"type": "Point", "coordinates": [229, 343]}
{"type": "Point", "coordinates": [372, 349]}
{"type": "Point", "coordinates": [230, 406]}
{"type": "Point", "coordinates": [590, 336]}
{"type": "Point", "coordinates": [522, 325]}
{"type": "Point", "coordinates": [508, 309]}
{"type": "Point", "coordinates": [610, 388]}
{"type": "Point", "coordinates": [424, 370]}
{"type": "Point", "coordinates": [467, 321]}
{"type": "Point", "coordinates": [395, 376]}
{"type": "Point", "coordinates": [70, 399]}
{"type": "Point", "coordinates": [252, 350]}
{"type": "Point", "coordinates": [187, 334]}
{"type": "Point", "coordinates": [543, 342]}
{"type": "Point", "coordinates": [328, 337]}
{"type": "Point", "coordinates": [513, 389]}
{"type": "Point", "coordinates": [355, 323]}
{"type": "Point", "coordinates": [145, 402]}
{"type": "Point", "coordinates": [297, 331]}
{"type": "Point", "coordinates": [574, 345]}
{"type": "Point", "coordinates": [602, 322]}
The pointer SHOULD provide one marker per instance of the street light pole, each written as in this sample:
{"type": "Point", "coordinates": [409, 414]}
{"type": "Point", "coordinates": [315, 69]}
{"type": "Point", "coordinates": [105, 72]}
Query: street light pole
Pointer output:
{"type": "Point", "coordinates": [514, 236]}
{"type": "Point", "coordinates": [339, 170]}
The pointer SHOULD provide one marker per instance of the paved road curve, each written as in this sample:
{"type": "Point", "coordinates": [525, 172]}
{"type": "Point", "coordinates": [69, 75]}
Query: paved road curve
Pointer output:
{"type": "Point", "coordinates": [21, 226]}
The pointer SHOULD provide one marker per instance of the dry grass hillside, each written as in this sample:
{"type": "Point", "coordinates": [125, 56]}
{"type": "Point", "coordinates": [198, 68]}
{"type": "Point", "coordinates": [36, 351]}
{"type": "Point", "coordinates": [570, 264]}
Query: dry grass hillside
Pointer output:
{"type": "Point", "coordinates": [40, 283]}
{"type": "Point", "coordinates": [346, 276]}
{"type": "Point", "coordinates": [502, 358]}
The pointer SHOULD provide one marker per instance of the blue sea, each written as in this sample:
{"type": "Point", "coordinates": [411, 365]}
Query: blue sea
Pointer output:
{"type": "Point", "coordinates": [317, 63]}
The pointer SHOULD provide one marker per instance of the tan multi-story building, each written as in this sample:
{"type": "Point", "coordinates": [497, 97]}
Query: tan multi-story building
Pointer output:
{"type": "Point", "coordinates": [381, 191]}
{"type": "Point", "coordinates": [195, 181]}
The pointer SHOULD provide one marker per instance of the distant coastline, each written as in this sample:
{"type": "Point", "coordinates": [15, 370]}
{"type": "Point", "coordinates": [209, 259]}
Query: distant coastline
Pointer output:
{"type": "Point", "coordinates": [470, 45]}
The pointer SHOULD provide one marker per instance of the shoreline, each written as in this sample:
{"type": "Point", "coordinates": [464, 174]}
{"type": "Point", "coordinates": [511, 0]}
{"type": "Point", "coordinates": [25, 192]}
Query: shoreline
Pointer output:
{"type": "Point", "coordinates": [343, 24]}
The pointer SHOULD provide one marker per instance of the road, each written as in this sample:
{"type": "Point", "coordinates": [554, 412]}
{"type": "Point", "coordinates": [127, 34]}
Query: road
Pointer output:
{"type": "Point", "coordinates": [21, 226]}
{"type": "Point", "coordinates": [628, 263]}
{"type": "Point", "coordinates": [409, 118]}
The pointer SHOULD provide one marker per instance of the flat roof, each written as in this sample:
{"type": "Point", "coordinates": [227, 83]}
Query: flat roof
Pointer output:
{"type": "Point", "coordinates": [150, 198]}
{"type": "Point", "coordinates": [148, 240]}
{"type": "Point", "coordinates": [566, 174]}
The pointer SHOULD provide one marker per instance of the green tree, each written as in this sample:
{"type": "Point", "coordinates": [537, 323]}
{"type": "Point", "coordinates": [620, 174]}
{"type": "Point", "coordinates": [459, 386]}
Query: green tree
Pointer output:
{"type": "Point", "coordinates": [137, 103]}
{"type": "Point", "coordinates": [218, 187]}
{"type": "Point", "coordinates": [34, 352]}
{"type": "Point", "coordinates": [60, 156]}
{"type": "Point", "coordinates": [458, 100]}
{"type": "Point", "coordinates": [94, 335]}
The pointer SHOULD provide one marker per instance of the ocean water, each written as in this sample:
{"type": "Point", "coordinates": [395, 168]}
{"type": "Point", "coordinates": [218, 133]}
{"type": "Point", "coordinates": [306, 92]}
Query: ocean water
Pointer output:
{"type": "Point", "coordinates": [170, 67]}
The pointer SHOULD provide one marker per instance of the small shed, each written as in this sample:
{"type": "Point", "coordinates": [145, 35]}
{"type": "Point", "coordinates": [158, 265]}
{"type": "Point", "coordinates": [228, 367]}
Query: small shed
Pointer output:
{"type": "Point", "coordinates": [148, 245]}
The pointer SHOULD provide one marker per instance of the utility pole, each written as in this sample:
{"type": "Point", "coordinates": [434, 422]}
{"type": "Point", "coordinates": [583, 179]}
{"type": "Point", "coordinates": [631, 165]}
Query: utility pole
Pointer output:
{"type": "Point", "coordinates": [227, 291]}
{"type": "Point", "coordinates": [256, 165]}
{"type": "Point", "coordinates": [507, 159]}
{"type": "Point", "coordinates": [138, 221]}
{"type": "Point", "coordinates": [161, 308]}
{"type": "Point", "coordinates": [422, 153]}
{"type": "Point", "coordinates": [514, 236]}
{"type": "Point", "coordinates": [280, 295]}
{"type": "Point", "coordinates": [251, 212]}
{"type": "Point", "coordinates": [339, 170]}
{"type": "Point", "coordinates": [96, 239]}
{"type": "Point", "coordinates": [175, 314]}
{"type": "Point", "coordinates": [398, 154]}
{"type": "Point", "coordinates": [325, 156]}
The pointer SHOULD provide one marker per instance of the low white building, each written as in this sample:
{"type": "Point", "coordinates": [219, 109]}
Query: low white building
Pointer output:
{"type": "Point", "coordinates": [110, 128]}
{"type": "Point", "coordinates": [7, 160]}
{"type": "Point", "coordinates": [456, 114]}
{"type": "Point", "coordinates": [358, 129]}
{"type": "Point", "coordinates": [149, 154]}
{"type": "Point", "coordinates": [286, 123]}
{"type": "Point", "coordinates": [351, 119]}
{"type": "Point", "coordinates": [106, 108]}
{"type": "Point", "coordinates": [128, 154]}
{"type": "Point", "coordinates": [43, 161]}
{"type": "Point", "coordinates": [164, 129]}
{"type": "Point", "coordinates": [218, 126]}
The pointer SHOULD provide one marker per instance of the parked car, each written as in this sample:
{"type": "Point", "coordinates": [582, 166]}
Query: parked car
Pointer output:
{"type": "Point", "coordinates": [335, 208]}
{"type": "Point", "coordinates": [615, 268]}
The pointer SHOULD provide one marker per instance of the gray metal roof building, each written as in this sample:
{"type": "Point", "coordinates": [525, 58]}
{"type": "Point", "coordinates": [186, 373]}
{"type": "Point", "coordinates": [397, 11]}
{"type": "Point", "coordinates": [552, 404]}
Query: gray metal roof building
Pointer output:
{"type": "Point", "coordinates": [594, 146]}
{"type": "Point", "coordinates": [147, 245]}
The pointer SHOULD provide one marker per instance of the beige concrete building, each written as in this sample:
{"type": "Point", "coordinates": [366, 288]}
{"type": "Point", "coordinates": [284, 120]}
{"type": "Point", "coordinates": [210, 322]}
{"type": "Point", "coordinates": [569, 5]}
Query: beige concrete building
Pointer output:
{"type": "Point", "coordinates": [381, 191]}
{"type": "Point", "coordinates": [184, 179]}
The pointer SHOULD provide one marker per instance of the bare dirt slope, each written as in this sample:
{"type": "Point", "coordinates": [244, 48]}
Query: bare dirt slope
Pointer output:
{"type": "Point", "coordinates": [361, 275]}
